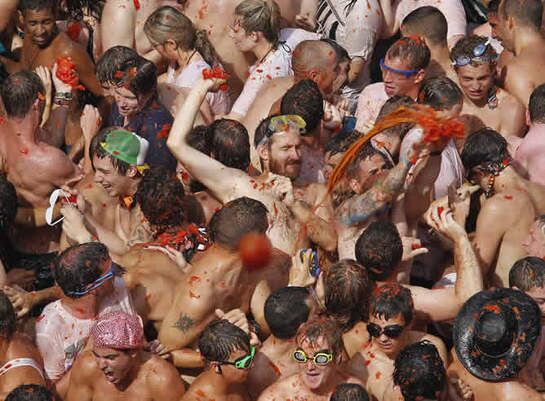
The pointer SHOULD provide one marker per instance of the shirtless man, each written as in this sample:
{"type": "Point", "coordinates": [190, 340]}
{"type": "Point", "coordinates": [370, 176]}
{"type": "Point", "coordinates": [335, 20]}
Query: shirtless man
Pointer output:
{"type": "Point", "coordinates": [389, 327]}
{"type": "Point", "coordinates": [118, 369]}
{"type": "Point", "coordinates": [518, 29]}
{"type": "Point", "coordinates": [529, 159]}
{"type": "Point", "coordinates": [500, 232]}
{"type": "Point", "coordinates": [21, 362]}
{"type": "Point", "coordinates": [431, 25]}
{"type": "Point", "coordinates": [318, 351]}
{"type": "Point", "coordinates": [485, 105]}
{"type": "Point", "coordinates": [228, 358]}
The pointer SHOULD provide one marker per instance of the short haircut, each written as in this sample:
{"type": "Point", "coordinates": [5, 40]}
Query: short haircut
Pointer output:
{"type": "Point", "coordinates": [465, 47]}
{"type": "Point", "coordinates": [428, 22]}
{"type": "Point", "coordinates": [536, 106]}
{"type": "Point", "coordinates": [340, 142]}
{"type": "Point", "coordinates": [36, 5]}
{"type": "Point", "coordinates": [493, 6]}
{"type": "Point", "coordinates": [30, 392]}
{"type": "Point", "coordinates": [349, 392]}
{"type": "Point", "coordinates": [484, 147]}
{"type": "Point", "coordinates": [97, 150]}
{"type": "Point", "coordinates": [236, 219]}
{"type": "Point", "coordinates": [137, 75]}
{"type": "Point", "coordinates": [161, 198]}
{"type": "Point", "coordinates": [112, 60]}
{"type": "Point", "coordinates": [340, 52]}
{"type": "Point", "coordinates": [347, 289]}
{"type": "Point", "coordinates": [440, 93]}
{"type": "Point", "coordinates": [261, 132]}
{"type": "Point", "coordinates": [199, 138]}
{"type": "Point", "coordinates": [411, 49]}
{"type": "Point", "coordinates": [379, 249]}
{"type": "Point", "coordinates": [8, 203]}
{"type": "Point", "coordinates": [260, 16]}
{"type": "Point", "coordinates": [391, 105]}
{"type": "Point", "coordinates": [527, 273]}
{"type": "Point", "coordinates": [285, 310]}
{"type": "Point", "coordinates": [305, 100]}
{"type": "Point", "coordinates": [367, 151]}
{"type": "Point", "coordinates": [324, 328]}
{"type": "Point", "coordinates": [390, 300]}
{"type": "Point", "coordinates": [220, 338]}
{"type": "Point", "coordinates": [230, 143]}
{"type": "Point", "coordinates": [527, 13]}
{"type": "Point", "coordinates": [78, 266]}
{"type": "Point", "coordinates": [419, 372]}
{"type": "Point", "coordinates": [7, 317]}
{"type": "Point", "coordinates": [19, 92]}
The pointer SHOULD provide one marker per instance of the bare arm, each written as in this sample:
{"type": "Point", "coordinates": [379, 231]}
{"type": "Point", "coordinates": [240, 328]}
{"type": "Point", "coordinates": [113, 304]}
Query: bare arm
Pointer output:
{"type": "Point", "coordinates": [518, 87]}
{"type": "Point", "coordinates": [390, 27]}
{"type": "Point", "coordinates": [118, 24]}
{"type": "Point", "coordinates": [80, 387]}
{"type": "Point", "coordinates": [85, 68]}
{"type": "Point", "coordinates": [514, 121]}
{"type": "Point", "coordinates": [165, 382]}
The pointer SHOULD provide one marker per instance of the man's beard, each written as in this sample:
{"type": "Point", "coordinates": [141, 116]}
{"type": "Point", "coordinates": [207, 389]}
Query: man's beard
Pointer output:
{"type": "Point", "coordinates": [290, 170]}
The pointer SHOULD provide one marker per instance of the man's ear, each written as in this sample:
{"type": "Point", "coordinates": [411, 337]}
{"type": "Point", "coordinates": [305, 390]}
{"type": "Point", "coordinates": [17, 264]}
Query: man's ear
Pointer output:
{"type": "Point", "coordinates": [263, 152]}
{"type": "Point", "coordinates": [132, 172]}
{"type": "Point", "coordinates": [20, 19]}
{"type": "Point", "coordinates": [354, 185]}
{"type": "Point", "coordinates": [419, 77]}
{"type": "Point", "coordinates": [254, 36]}
{"type": "Point", "coordinates": [528, 119]}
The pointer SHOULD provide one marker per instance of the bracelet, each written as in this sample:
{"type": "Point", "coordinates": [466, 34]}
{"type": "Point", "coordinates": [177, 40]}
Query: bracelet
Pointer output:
{"type": "Point", "coordinates": [63, 98]}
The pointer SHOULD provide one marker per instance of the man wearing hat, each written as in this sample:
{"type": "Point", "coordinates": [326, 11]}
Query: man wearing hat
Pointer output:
{"type": "Point", "coordinates": [117, 369]}
{"type": "Point", "coordinates": [494, 336]}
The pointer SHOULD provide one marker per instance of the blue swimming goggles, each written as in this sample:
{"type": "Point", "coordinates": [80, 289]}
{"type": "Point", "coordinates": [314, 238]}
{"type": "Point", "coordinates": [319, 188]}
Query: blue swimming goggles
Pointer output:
{"type": "Point", "coordinates": [95, 284]}
{"type": "Point", "coordinates": [478, 55]}
{"type": "Point", "coordinates": [405, 73]}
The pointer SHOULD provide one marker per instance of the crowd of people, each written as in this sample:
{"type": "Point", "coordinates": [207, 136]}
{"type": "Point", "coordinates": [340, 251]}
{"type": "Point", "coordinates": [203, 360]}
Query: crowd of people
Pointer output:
{"type": "Point", "coordinates": [272, 200]}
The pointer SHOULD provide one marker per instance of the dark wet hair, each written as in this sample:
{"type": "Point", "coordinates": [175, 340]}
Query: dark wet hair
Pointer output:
{"type": "Point", "coordinates": [493, 6]}
{"type": "Point", "coordinates": [7, 317]}
{"type": "Point", "coordinates": [322, 327]}
{"type": "Point", "coordinates": [484, 147]}
{"type": "Point", "coordinates": [367, 151]}
{"type": "Point", "coordinates": [230, 143]}
{"type": "Point", "coordinates": [391, 105]}
{"type": "Point", "coordinates": [342, 141]}
{"type": "Point", "coordinates": [527, 273]}
{"type": "Point", "coordinates": [220, 338]}
{"type": "Point", "coordinates": [96, 150]}
{"type": "Point", "coordinates": [75, 8]}
{"type": "Point", "coordinates": [138, 75]}
{"type": "Point", "coordinates": [19, 92]}
{"type": "Point", "coordinates": [440, 93]}
{"type": "Point", "coordinates": [465, 47]}
{"type": "Point", "coordinates": [349, 392]}
{"type": "Point", "coordinates": [8, 203]}
{"type": "Point", "coordinates": [347, 289]}
{"type": "Point", "coordinates": [161, 198]}
{"type": "Point", "coordinates": [285, 310]}
{"type": "Point", "coordinates": [527, 12]}
{"type": "Point", "coordinates": [428, 22]}
{"type": "Point", "coordinates": [419, 372]}
{"type": "Point", "coordinates": [390, 300]}
{"type": "Point", "coordinates": [199, 138]}
{"type": "Point", "coordinates": [79, 265]}
{"type": "Point", "coordinates": [411, 49]}
{"type": "Point", "coordinates": [304, 99]}
{"type": "Point", "coordinates": [379, 249]}
{"type": "Point", "coordinates": [37, 5]}
{"type": "Point", "coordinates": [30, 392]}
{"type": "Point", "coordinates": [236, 219]}
{"type": "Point", "coordinates": [536, 106]}
{"type": "Point", "coordinates": [112, 61]}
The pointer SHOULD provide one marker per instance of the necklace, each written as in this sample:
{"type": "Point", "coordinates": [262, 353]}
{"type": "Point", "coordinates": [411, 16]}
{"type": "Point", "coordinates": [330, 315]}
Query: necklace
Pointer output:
{"type": "Point", "coordinates": [266, 54]}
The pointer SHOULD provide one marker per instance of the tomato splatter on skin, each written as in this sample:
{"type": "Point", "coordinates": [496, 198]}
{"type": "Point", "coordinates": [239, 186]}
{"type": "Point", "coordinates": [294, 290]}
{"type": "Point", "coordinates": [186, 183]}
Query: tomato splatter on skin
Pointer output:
{"type": "Point", "coordinates": [24, 151]}
{"type": "Point", "coordinates": [194, 295]}
{"type": "Point", "coordinates": [275, 368]}
{"type": "Point", "coordinates": [200, 393]}
{"type": "Point", "coordinates": [2, 120]}
{"type": "Point", "coordinates": [194, 279]}
{"type": "Point", "coordinates": [66, 72]}
{"type": "Point", "coordinates": [73, 30]}
{"type": "Point", "coordinates": [378, 375]}
{"type": "Point", "coordinates": [508, 197]}
{"type": "Point", "coordinates": [136, 4]}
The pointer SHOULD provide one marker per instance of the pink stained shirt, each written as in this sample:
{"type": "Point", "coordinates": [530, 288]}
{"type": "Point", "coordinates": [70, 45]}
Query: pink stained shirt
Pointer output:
{"type": "Point", "coordinates": [370, 101]}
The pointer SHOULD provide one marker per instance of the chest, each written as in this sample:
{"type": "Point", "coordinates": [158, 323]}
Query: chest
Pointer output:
{"type": "Point", "coordinates": [105, 391]}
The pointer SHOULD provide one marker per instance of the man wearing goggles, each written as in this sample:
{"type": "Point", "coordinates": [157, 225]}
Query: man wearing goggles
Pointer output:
{"type": "Point", "coordinates": [474, 60]}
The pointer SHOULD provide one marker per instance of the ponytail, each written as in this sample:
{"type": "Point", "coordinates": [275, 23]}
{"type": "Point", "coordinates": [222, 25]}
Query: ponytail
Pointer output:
{"type": "Point", "coordinates": [205, 48]}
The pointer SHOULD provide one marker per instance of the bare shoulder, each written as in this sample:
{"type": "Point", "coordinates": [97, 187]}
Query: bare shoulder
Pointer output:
{"type": "Point", "coordinates": [280, 389]}
{"type": "Point", "coordinates": [159, 372]}
{"type": "Point", "coordinates": [508, 101]}
{"type": "Point", "coordinates": [85, 368]}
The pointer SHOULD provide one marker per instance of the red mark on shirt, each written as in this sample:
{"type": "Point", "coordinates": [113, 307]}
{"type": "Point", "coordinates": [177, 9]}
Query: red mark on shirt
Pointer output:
{"type": "Point", "coordinates": [165, 130]}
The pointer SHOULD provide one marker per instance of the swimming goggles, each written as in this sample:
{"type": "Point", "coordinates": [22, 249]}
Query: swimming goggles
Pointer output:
{"type": "Point", "coordinates": [321, 358]}
{"type": "Point", "coordinates": [478, 55]}
{"type": "Point", "coordinates": [244, 362]}
{"type": "Point", "coordinates": [405, 73]}
{"type": "Point", "coordinates": [95, 284]}
{"type": "Point", "coordinates": [285, 122]}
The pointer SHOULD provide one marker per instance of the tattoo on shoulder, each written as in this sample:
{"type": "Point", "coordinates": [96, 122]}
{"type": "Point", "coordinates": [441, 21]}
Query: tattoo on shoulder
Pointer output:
{"type": "Point", "coordinates": [183, 323]}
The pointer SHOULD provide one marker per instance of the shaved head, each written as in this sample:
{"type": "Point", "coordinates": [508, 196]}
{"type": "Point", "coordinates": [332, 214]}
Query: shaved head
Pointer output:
{"type": "Point", "coordinates": [312, 55]}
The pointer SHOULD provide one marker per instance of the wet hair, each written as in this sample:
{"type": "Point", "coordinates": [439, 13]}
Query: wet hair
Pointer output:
{"type": "Point", "coordinates": [379, 249]}
{"type": "Point", "coordinates": [340, 52]}
{"type": "Point", "coordinates": [236, 219]}
{"type": "Point", "coordinates": [527, 273]}
{"type": "Point", "coordinates": [230, 143]}
{"type": "Point", "coordinates": [285, 310]}
{"type": "Point", "coordinates": [37, 5]}
{"type": "Point", "coordinates": [419, 372]}
{"type": "Point", "coordinates": [440, 93]}
{"type": "Point", "coordinates": [260, 16]}
{"type": "Point", "coordinates": [78, 266]}
{"type": "Point", "coordinates": [391, 105]}
{"type": "Point", "coordinates": [411, 49]}
{"type": "Point", "coordinates": [428, 22]}
{"type": "Point", "coordinates": [97, 150]}
{"type": "Point", "coordinates": [30, 392]}
{"type": "Point", "coordinates": [536, 106]}
{"type": "Point", "coordinates": [137, 75]}
{"type": "Point", "coordinates": [347, 288]}
{"type": "Point", "coordinates": [367, 151]}
{"type": "Point", "coordinates": [528, 13]}
{"type": "Point", "coordinates": [325, 328]}
{"type": "Point", "coordinates": [390, 300]}
{"type": "Point", "coordinates": [19, 92]}
{"type": "Point", "coordinates": [349, 392]}
{"type": "Point", "coordinates": [493, 6]}
{"type": "Point", "coordinates": [168, 23]}
{"type": "Point", "coordinates": [220, 338]}
{"type": "Point", "coordinates": [465, 47]}
{"type": "Point", "coordinates": [484, 147]}
{"type": "Point", "coordinates": [199, 138]}
{"type": "Point", "coordinates": [261, 132]}
{"type": "Point", "coordinates": [304, 99]}
{"type": "Point", "coordinates": [341, 142]}
{"type": "Point", "coordinates": [161, 198]}
{"type": "Point", "coordinates": [7, 317]}
{"type": "Point", "coordinates": [8, 203]}
{"type": "Point", "coordinates": [75, 8]}
{"type": "Point", "coordinates": [112, 61]}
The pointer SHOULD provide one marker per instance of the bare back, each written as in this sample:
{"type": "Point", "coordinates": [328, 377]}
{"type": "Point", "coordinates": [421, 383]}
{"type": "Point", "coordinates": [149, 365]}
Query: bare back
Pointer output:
{"type": "Point", "coordinates": [521, 74]}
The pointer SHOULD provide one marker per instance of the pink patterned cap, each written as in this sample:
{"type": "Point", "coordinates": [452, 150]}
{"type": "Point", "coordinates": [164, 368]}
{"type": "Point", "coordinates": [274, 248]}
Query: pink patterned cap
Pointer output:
{"type": "Point", "coordinates": [118, 330]}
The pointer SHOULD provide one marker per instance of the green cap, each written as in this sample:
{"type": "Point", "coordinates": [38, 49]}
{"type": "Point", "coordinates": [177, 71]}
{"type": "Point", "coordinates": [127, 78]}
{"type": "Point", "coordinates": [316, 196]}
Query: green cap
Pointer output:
{"type": "Point", "coordinates": [127, 146]}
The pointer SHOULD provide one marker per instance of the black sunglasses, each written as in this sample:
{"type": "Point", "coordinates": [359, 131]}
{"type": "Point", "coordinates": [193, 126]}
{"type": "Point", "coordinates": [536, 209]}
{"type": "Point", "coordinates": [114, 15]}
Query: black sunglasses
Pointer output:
{"type": "Point", "coordinates": [393, 331]}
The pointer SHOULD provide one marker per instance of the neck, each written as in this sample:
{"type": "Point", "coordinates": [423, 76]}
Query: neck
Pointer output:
{"type": "Point", "coordinates": [329, 386]}
{"type": "Point", "coordinates": [261, 49]}
{"type": "Point", "coordinates": [506, 180]}
{"type": "Point", "coordinates": [81, 308]}
{"type": "Point", "coordinates": [4, 344]}
{"type": "Point", "coordinates": [133, 187]}
{"type": "Point", "coordinates": [25, 128]}
{"type": "Point", "coordinates": [413, 93]}
{"type": "Point", "coordinates": [131, 375]}
{"type": "Point", "coordinates": [527, 38]}
{"type": "Point", "coordinates": [184, 57]}
{"type": "Point", "coordinates": [439, 52]}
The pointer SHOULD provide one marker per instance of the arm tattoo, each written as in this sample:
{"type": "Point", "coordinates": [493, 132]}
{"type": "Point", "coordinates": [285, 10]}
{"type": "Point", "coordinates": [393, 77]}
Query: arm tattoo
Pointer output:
{"type": "Point", "coordinates": [362, 207]}
{"type": "Point", "coordinates": [184, 323]}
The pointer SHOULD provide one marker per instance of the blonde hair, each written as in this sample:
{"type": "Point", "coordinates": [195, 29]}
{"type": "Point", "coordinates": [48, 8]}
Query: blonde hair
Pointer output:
{"type": "Point", "coordinates": [168, 23]}
{"type": "Point", "coordinates": [260, 16]}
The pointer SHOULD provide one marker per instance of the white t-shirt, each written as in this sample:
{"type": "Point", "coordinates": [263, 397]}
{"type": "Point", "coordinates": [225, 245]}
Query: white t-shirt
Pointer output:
{"type": "Point", "coordinates": [60, 336]}
{"type": "Point", "coordinates": [371, 100]}
{"type": "Point", "coordinates": [219, 102]}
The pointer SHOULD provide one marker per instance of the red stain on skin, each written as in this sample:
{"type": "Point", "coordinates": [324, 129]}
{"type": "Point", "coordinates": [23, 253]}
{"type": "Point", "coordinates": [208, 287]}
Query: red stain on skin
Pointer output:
{"type": "Point", "coordinates": [508, 197]}
{"type": "Point", "coordinates": [136, 4]}
{"type": "Point", "coordinates": [367, 363]}
{"type": "Point", "coordinates": [73, 30]}
{"type": "Point", "coordinates": [440, 210]}
{"type": "Point", "coordinates": [194, 279]}
{"type": "Point", "coordinates": [277, 371]}
{"type": "Point", "coordinates": [2, 120]}
{"type": "Point", "coordinates": [378, 375]}
{"type": "Point", "coordinates": [203, 10]}
{"type": "Point", "coordinates": [194, 295]}
{"type": "Point", "coordinates": [24, 151]}
{"type": "Point", "coordinates": [200, 393]}
{"type": "Point", "coordinates": [66, 72]}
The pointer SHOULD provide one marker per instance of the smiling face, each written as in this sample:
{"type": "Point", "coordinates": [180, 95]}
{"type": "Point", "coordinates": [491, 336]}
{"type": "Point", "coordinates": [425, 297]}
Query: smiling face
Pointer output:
{"type": "Point", "coordinates": [115, 364]}
{"type": "Point", "coordinates": [40, 26]}
{"type": "Point", "coordinates": [390, 346]}
{"type": "Point", "coordinates": [476, 80]}
{"type": "Point", "coordinates": [127, 102]}
{"type": "Point", "coordinates": [315, 376]}
{"type": "Point", "coordinates": [113, 182]}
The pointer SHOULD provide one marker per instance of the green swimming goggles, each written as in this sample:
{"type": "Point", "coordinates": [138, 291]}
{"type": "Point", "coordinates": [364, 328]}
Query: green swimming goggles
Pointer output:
{"type": "Point", "coordinates": [244, 362]}
{"type": "Point", "coordinates": [321, 358]}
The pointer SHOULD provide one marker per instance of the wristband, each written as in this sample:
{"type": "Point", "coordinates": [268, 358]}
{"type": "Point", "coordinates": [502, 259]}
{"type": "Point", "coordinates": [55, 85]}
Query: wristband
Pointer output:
{"type": "Point", "coordinates": [63, 98]}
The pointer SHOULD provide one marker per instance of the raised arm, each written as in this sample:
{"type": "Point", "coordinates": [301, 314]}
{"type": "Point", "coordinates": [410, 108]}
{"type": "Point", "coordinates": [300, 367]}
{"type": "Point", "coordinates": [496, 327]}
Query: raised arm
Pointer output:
{"type": "Point", "coordinates": [118, 24]}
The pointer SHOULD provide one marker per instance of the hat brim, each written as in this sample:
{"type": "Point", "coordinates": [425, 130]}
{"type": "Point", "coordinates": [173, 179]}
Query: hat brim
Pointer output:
{"type": "Point", "coordinates": [526, 314]}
